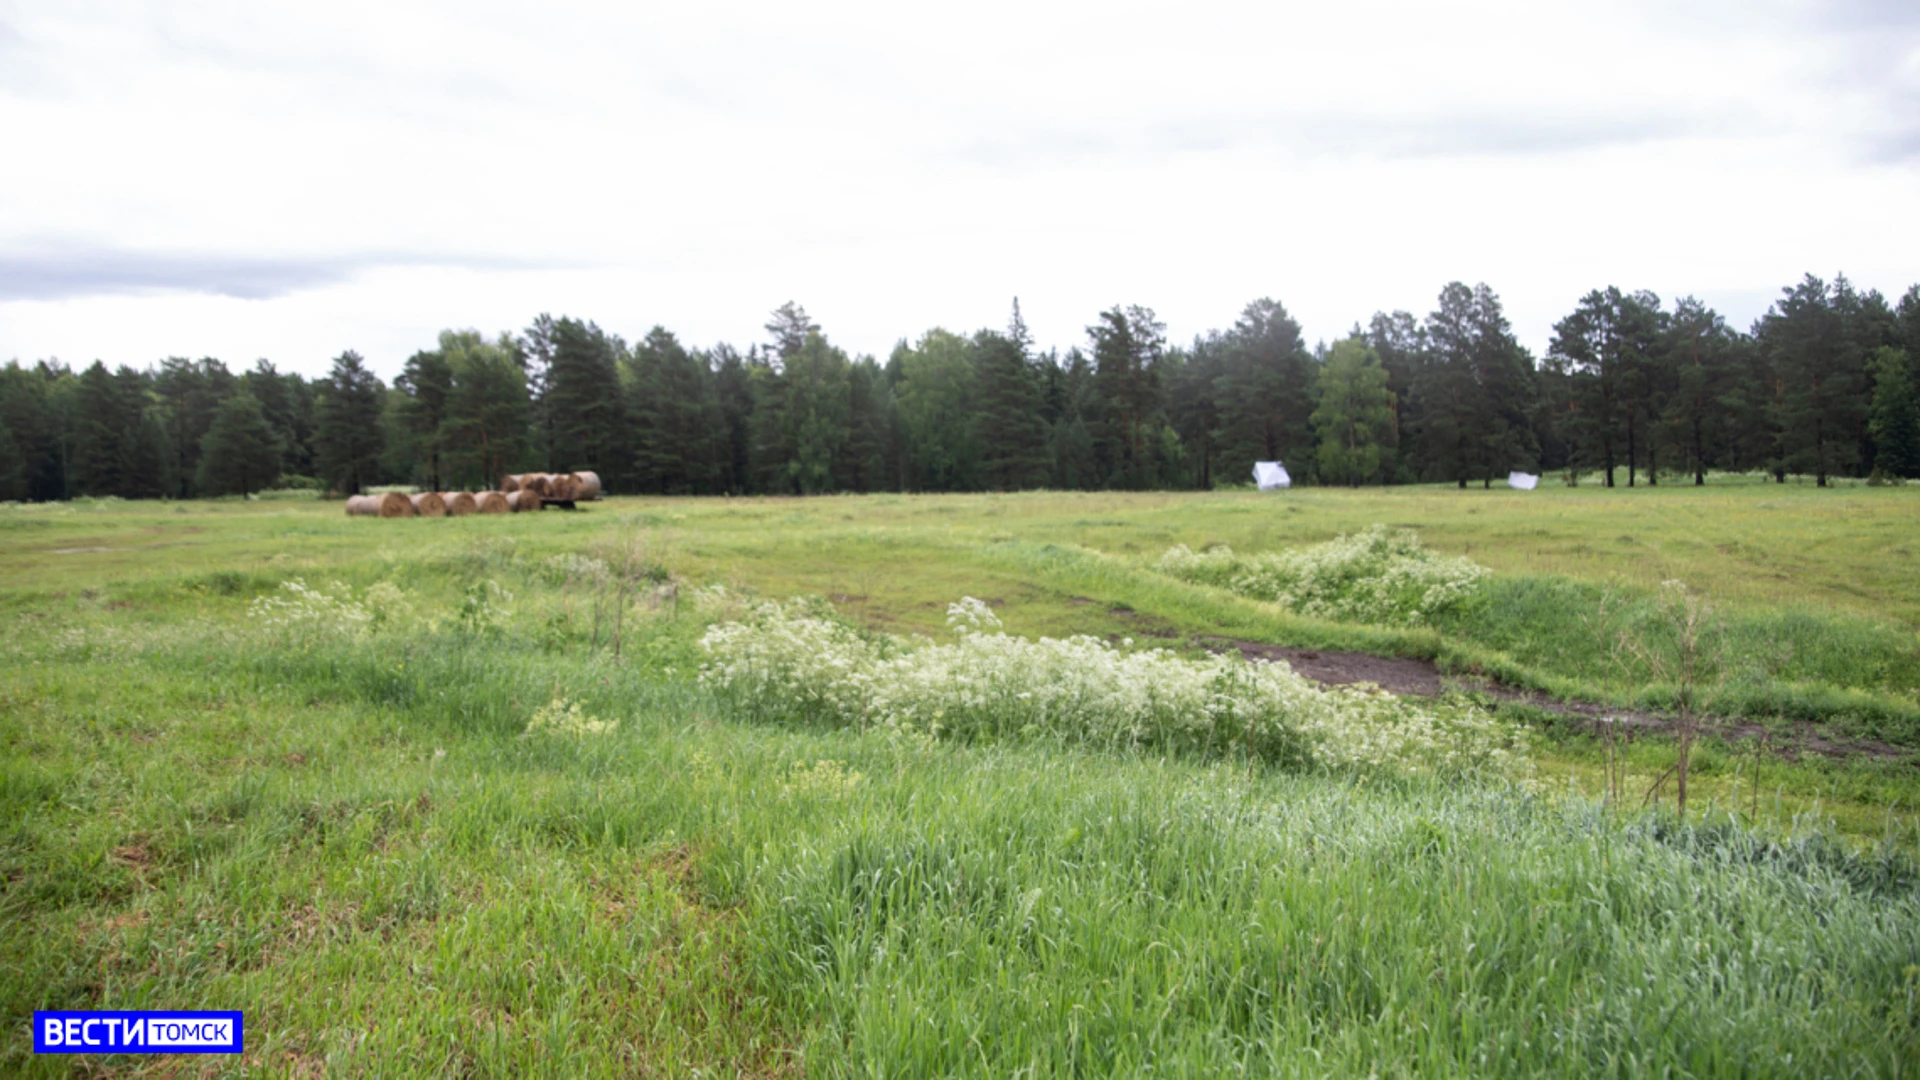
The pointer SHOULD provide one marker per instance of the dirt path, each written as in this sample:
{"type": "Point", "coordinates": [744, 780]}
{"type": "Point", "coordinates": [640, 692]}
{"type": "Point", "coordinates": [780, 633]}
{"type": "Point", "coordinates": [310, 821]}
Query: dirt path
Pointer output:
{"type": "Point", "coordinates": [1421, 678]}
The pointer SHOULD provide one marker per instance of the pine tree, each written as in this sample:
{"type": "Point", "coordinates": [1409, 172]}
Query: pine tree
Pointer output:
{"type": "Point", "coordinates": [13, 465]}
{"type": "Point", "coordinates": [1193, 406]}
{"type": "Point", "coordinates": [800, 418]}
{"type": "Point", "coordinates": [1401, 343]}
{"type": "Point", "coordinates": [676, 417]}
{"type": "Point", "coordinates": [105, 424]}
{"type": "Point", "coordinates": [1820, 401]}
{"type": "Point", "coordinates": [348, 436]}
{"type": "Point", "coordinates": [580, 404]}
{"type": "Point", "coordinates": [1073, 408]}
{"type": "Point", "coordinates": [488, 411]}
{"type": "Point", "coordinates": [789, 327]}
{"type": "Point", "coordinates": [1601, 347]}
{"type": "Point", "coordinates": [1700, 354]}
{"type": "Point", "coordinates": [189, 392]}
{"type": "Point", "coordinates": [870, 416]}
{"type": "Point", "coordinates": [1354, 419]}
{"type": "Point", "coordinates": [1266, 392]}
{"type": "Point", "coordinates": [733, 391]}
{"type": "Point", "coordinates": [1894, 421]}
{"type": "Point", "coordinates": [427, 383]}
{"type": "Point", "coordinates": [1127, 347]}
{"type": "Point", "coordinates": [1504, 377]}
{"type": "Point", "coordinates": [1010, 433]}
{"type": "Point", "coordinates": [240, 453]}
{"type": "Point", "coordinates": [287, 402]}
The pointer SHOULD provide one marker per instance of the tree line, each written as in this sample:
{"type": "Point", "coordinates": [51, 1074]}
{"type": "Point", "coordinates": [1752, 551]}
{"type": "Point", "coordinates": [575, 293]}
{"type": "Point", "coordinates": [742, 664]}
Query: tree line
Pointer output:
{"type": "Point", "coordinates": [1826, 384]}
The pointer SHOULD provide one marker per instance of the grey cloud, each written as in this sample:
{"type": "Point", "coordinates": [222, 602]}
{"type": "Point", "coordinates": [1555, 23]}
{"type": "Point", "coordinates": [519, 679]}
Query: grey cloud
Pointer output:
{"type": "Point", "coordinates": [53, 274]}
{"type": "Point", "coordinates": [1868, 15]}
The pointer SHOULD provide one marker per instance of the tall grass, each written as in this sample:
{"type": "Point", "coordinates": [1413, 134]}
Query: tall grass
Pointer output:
{"type": "Point", "coordinates": [345, 827]}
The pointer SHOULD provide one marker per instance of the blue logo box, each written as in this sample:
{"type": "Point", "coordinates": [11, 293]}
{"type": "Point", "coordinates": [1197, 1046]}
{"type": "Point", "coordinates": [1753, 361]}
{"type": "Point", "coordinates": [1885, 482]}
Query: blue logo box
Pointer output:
{"type": "Point", "coordinates": [150, 1031]}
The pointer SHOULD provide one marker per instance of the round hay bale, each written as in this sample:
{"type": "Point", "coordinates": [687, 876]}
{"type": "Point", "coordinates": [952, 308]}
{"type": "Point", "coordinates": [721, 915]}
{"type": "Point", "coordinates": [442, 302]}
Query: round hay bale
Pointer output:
{"type": "Point", "coordinates": [491, 502]}
{"type": "Point", "coordinates": [363, 506]}
{"type": "Point", "coordinates": [458, 503]}
{"type": "Point", "coordinates": [523, 500]}
{"type": "Point", "coordinates": [561, 487]}
{"type": "Point", "coordinates": [510, 482]}
{"type": "Point", "coordinates": [393, 505]}
{"type": "Point", "coordinates": [535, 482]}
{"type": "Point", "coordinates": [587, 485]}
{"type": "Point", "coordinates": [429, 504]}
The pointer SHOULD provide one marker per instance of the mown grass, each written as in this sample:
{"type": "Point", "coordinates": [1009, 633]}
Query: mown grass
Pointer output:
{"type": "Point", "coordinates": [352, 840]}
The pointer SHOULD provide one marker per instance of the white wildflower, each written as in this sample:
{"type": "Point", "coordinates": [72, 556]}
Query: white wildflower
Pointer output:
{"type": "Point", "coordinates": [1374, 576]}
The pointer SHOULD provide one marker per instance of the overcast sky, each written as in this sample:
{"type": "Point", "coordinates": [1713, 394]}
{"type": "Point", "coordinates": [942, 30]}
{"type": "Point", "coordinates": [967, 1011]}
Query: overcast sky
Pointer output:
{"type": "Point", "coordinates": [253, 179]}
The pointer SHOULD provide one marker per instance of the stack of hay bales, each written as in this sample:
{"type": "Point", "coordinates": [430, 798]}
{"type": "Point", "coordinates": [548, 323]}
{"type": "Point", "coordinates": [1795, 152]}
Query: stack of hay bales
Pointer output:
{"type": "Point", "coordinates": [391, 505]}
{"type": "Point", "coordinates": [554, 487]}
{"type": "Point", "coordinates": [519, 492]}
{"type": "Point", "coordinates": [428, 504]}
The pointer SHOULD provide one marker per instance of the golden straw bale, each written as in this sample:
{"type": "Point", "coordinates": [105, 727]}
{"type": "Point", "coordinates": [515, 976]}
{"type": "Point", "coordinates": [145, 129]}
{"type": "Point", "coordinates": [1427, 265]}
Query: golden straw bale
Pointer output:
{"type": "Point", "coordinates": [429, 504]}
{"type": "Point", "coordinates": [458, 503]}
{"type": "Point", "coordinates": [491, 502]}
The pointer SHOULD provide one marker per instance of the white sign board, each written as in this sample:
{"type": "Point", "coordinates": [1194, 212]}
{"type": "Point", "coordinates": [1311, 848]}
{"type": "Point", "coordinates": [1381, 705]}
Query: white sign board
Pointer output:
{"type": "Point", "coordinates": [1523, 481]}
{"type": "Point", "coordinates": [1271, 475]}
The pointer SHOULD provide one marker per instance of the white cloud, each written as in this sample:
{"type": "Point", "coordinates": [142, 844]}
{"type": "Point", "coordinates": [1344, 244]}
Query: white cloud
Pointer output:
{"type": "Point", "coordinates": [254, 179]}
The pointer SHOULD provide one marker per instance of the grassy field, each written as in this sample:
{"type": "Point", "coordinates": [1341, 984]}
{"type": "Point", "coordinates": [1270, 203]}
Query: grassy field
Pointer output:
{"type": "Point", "coordinates": [347, 829]}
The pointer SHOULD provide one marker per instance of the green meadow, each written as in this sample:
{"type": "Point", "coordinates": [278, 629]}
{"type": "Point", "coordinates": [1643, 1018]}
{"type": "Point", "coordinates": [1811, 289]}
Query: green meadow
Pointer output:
{"type": "Point", "coordinates": [463, 804]}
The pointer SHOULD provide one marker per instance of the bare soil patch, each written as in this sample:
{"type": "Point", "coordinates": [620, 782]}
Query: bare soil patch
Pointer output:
{"type": "Point", "coordinates": [1421, 678]}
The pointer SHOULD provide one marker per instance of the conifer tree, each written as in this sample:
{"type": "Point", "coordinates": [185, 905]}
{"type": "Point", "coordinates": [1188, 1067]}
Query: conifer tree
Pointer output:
{"type": "Point", "coordinates": [13, 466]}
{"type": "Point", "coordinates": [1193, 406]}
{"type": "Point", "coordinates": [579, 400]}
{"type": "Point", "coordinates": [1011, 435]}
{"type": "Point", "coordinates": [1266, 392]}
{"type": "Point", "coordinates": [1894, 420]}
{"type": "Point", "coordinates": [488, 412]}
{"type": "Point", "coordinates": [427, 383]}
{"type": "Point", "coordinates": [676, 417]}
{"type": "Point", "coordinates": [870, 415]}
{"type": "Point", "coordinates": [1127, 346]}
{"type": "Point", "coordinates": [348, 435]}
{"type": "Point", "coordinates": [1819, 402]}
{"type": "Point", "coordinates": [240, 453]}
{"type": "Point", "coordinates": [1700, 355]}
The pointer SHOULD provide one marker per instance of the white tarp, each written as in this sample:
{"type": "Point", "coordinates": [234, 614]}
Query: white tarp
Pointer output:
{"type": "Point", "coordinates": [1271, 475]}
{"type": "Point", "coordinates": [1523, 481]}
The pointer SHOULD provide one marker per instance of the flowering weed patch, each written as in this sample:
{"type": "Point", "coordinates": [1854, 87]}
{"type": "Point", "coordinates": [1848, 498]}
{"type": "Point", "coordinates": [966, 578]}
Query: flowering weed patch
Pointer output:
{"type": "Point", "coordinates": [797, 661]}
{"type": "Point", "coordinates": [1376, 576]}
{"type": "Point", "coordinates": [566, 719]}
